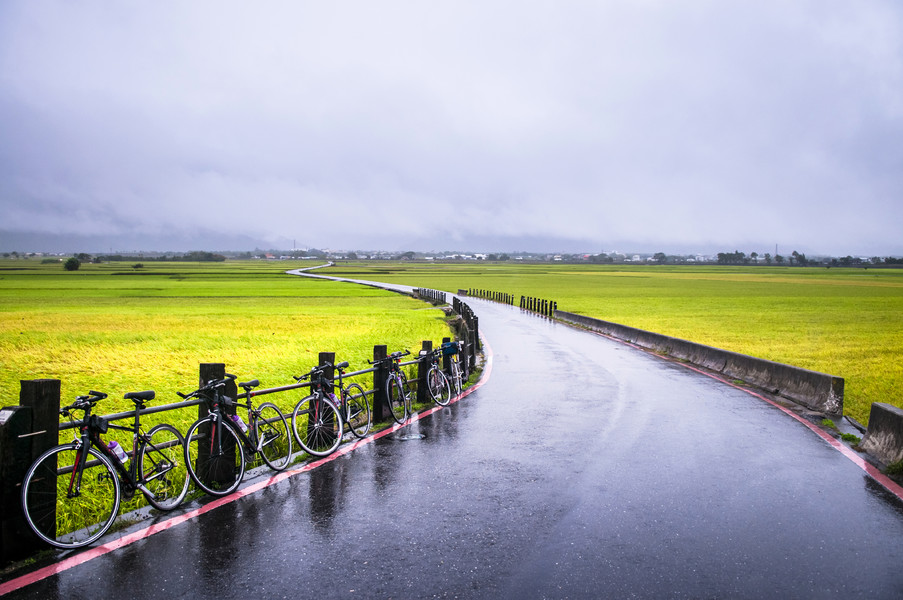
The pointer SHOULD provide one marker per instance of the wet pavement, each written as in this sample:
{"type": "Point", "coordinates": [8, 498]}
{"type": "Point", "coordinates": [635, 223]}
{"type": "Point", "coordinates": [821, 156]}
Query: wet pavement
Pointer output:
{"type": "Point", "coordinates": [583, 468]}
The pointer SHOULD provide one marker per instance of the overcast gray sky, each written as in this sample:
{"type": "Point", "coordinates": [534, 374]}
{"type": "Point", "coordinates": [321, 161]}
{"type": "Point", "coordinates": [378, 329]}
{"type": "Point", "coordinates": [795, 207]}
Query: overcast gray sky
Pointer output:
{"type": "Point", "coordinates": [638, 125]}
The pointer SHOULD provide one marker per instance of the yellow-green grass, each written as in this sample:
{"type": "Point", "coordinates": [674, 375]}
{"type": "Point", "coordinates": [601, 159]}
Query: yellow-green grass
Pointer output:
{"type": "Point", "coordinates": [116, 329]}
{"type": "Point", "coordinates": [846, 322]}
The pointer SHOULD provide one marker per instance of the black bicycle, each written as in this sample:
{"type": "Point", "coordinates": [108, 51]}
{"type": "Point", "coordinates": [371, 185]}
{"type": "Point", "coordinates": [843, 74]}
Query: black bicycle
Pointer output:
{"type": "Point", "coordinates": [316, 421]}
{"type": "Point", "coordinates": [398, 395]}
{"type": "Point", "coordinates": [352, 402]}
{"type": "Point", "coordinates": [437, 383]}
{"type": "Point", "coordinates": [455, 375]}
{"type": "Point", "coordinates": [216, 444]}
{"type": "Point", "coordinates": [71, 494]}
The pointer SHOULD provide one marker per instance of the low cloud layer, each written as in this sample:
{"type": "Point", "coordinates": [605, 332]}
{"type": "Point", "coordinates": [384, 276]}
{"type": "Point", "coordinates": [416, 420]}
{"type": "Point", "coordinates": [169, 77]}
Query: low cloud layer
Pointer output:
{"type": "Point", "coordinates": [647, 125]}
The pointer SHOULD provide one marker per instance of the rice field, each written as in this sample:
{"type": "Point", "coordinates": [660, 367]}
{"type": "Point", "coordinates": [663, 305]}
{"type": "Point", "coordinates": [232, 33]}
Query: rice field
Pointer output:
{"type": "Point", "coordinates": [113, 328]}
{"type": "Point", "coordinates": [846, 322]}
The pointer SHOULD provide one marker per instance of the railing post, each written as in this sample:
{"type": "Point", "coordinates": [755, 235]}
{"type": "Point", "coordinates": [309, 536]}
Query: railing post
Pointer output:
{"type": "Point", "coordinates": [379, 409]}
{"type": "Point", "coordinates": [328, 372]}
{"type": "Point", "coordinates": [446, 359]}
{"type": "Point", "coordinates": [423, 366]}
{"type": "Point", "coordinates": [43, 396]}
{"type": "Point", "coordinates": [16, 539]}
{"type": "Point", "coordinates": [209, 372]}
{"type": "Point", "coordinates": [26, 431]}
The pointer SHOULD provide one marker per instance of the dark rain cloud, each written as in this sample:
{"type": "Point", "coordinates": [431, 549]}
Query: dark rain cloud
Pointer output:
{"type": "Point", "coordinates": [647, 125]}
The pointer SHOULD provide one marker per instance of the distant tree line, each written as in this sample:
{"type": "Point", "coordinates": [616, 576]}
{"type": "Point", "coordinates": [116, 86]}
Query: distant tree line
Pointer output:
{"type": "Point", "coordinates": [198, 256]}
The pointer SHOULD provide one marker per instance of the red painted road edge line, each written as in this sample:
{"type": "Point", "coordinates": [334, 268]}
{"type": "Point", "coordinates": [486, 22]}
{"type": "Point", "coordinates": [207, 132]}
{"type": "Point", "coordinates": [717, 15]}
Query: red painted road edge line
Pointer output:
{"type": "Point", "coordinates": [98, 551]}
{"type": "Point", "coordinates": [889, 484]}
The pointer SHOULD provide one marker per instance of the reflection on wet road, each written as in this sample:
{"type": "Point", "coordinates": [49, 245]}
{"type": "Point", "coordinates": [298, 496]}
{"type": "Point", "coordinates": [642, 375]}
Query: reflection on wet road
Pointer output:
{"type": "Point", "coordinates": [582, 469]}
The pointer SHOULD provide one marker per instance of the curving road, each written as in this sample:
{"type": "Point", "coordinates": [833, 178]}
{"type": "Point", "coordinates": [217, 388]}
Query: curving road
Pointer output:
{"type": "Point", "coordinates": [582, 468]}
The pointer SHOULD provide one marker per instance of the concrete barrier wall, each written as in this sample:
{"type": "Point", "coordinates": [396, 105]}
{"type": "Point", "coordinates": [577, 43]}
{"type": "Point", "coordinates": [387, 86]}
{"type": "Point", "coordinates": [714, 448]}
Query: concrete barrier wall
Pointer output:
{"type": "Point", "coordinates": [884, 438]}
{"type": "Point", "coordinates": [817, 391]}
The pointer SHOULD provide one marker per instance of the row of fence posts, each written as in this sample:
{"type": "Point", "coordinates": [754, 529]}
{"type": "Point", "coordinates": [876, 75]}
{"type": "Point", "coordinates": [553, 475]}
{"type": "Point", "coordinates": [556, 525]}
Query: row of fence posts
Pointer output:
{"type": "Point", "coordinates": [434, 296]}
{"type": "Point", "coordinates": [538, 305]}
{"type": "Point", "coordinates": [501, 297]}
{"type": "Point", "coordinates": [468, 330]}
{"type": "Point", "coordinates": [32, 427]}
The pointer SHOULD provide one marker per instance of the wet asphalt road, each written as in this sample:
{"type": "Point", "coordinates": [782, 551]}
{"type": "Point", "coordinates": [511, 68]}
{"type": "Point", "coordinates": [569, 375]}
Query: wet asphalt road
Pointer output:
{"type": "Point", "coordinates": [583, 468]}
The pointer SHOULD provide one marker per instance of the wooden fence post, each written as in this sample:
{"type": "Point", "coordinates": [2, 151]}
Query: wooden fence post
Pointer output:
{"type": "Point", "coordinates": [423, 395]}
{"type": "Point", "coordinates": [329, 372]}
{"type": "Point", "coordinates": [208, 372]}
{"type": "Point", "coordinates": [43, 396]}
{"type": "Point", "coordinates": [26, 431]}
{"type": "Point", "coordinates": [380, 405]}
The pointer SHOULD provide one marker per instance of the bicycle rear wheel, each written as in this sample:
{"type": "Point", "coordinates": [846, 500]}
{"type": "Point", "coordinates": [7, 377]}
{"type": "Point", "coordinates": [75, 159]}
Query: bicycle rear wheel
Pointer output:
{"type": "Point", "coordinates": [358, 410]}
{"type": "Point", "coordinates": [162, 469]}
{"type": "Point", "coordinates": [273, 436]}
{"type": "Point", "coordinates": [317, 425]}
{"type": "Point", "coordinates": [214, 457]}
{"type": "Point", "coordinates": [66, 512]}
{"type": "Point", "coordinates": [396, 396]}
{"type": "Point", "coordinates": [438, 386]}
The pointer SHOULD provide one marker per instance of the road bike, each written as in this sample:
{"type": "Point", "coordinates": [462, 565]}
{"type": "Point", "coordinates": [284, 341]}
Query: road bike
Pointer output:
{"type": "Point", "coordinates": [398, 395]}
{"type": "Point", "coordinates": [352, 402]}
{"type": "Point", "coordinates": [72, 492]}
{"type": "Point", "coordinates": [437, 383]}
{"type": "Point", "coordinates": [218, 446]}
{"type": "Point", "coordinates": [266, 432]}
{"type": "Point", "coordinates": [316, 421]}
{"type": "Point", "coordinates": [452, 351]}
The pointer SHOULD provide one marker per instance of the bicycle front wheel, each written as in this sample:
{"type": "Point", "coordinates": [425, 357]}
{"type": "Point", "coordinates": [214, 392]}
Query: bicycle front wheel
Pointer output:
{"type": "Point", "coordinates": [317, 425]}
{"type": "Point", "coordinates": [214, 457]}
{"type": "Point", "coordinates": [456, 378]}
{"type": "Point", "coordinates": [396, 396]}
{"type": "Point", "coordinates": [67, 504]}
{"type": "Point", "coordinates": [358, 410]}
{"type": "Point", "coordinates": [273, 436]}
{"type": "Point", "coordinates": [438, 385]}
{"type": "Point", "coordinates": [161, 467]}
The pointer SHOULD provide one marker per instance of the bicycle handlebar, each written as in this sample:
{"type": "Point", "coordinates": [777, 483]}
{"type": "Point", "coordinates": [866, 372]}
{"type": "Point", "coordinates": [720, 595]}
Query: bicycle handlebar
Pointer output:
{"type": "Point", "coordinates": [212, 384]}
{"type": "Point", "coordinates": [393, 356]}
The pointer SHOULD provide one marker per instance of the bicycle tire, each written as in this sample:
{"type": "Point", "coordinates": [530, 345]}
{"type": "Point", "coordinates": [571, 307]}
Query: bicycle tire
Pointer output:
{"type": "Point", "coordinates": [456, 379]}
{"type": "Point", "coordinates": [216, 470]}
{"type": "Point", "coordinates": [397, 398]}
{"type": "Point", "coordinates": [70, 522]}
{"type": "Point", "coordinates": [162, 468]}
{"type": "Point", "coordinates": [321, 424]}
{"type": "Point", "coordinates": [438, 386]}
{"type": "Point", "coordinates": [357, 410]}
{"type": "Point", "coordinates": [272, 428]}
{"type": "Point", "coordinates": [408, 395]}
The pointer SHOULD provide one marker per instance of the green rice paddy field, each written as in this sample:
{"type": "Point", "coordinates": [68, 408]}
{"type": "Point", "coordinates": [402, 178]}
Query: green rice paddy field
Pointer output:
{"type": "Point", "coordinates": [113, 328]}
{"type": "Point", "coordinates": [846, 322]}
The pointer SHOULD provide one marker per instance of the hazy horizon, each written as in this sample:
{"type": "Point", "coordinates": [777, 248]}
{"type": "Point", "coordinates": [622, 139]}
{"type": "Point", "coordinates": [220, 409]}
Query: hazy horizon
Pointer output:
{"type": "Point", "coordinates": [495, 126]}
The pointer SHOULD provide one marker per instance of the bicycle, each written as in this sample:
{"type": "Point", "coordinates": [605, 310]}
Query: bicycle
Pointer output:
{"type": "Point", "coordinates": [353, 404]}
{"type": "Point", "coordinates": [72, 492]}
{"type": "Point", "coordinates": [437, 383]}
{"type": "Point", "coordinates": [216, 444]}
{"type": "Point", "coordinates": [397, 395]}
{"type": "Point", "coordinates": [268, 427]}
{"type": "Point", "coordinates": [455, 375]}
{"type": "Point", "coordinates": [316, 420]}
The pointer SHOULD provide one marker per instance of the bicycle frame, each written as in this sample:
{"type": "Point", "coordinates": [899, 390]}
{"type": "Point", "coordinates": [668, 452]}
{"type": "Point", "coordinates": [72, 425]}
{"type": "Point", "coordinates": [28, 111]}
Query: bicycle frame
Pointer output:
{"type": "Point", "coordinates": [90, 436]}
